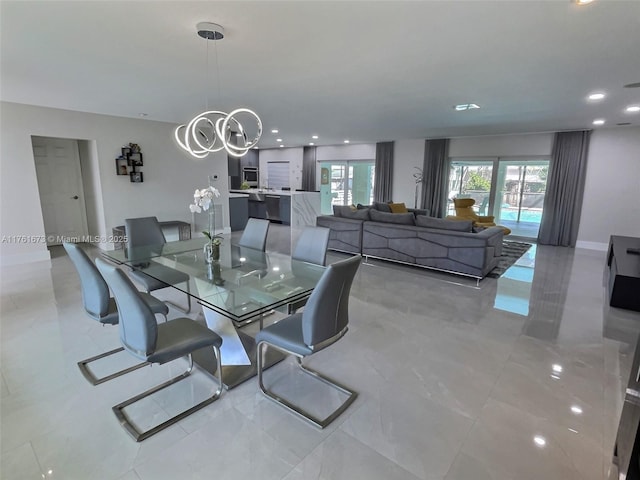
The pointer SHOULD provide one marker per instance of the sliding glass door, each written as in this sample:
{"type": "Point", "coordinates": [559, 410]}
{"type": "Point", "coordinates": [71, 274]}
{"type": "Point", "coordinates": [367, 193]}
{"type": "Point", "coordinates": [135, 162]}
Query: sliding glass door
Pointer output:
{"type": "Point", "coordinates": [470, 179]}
{"type": "Point", "coordinates": [346, 183]}
{"type": "Point", "coordinates": [510, 189]}
{"type": "Point", "coordinates": [522, 186]}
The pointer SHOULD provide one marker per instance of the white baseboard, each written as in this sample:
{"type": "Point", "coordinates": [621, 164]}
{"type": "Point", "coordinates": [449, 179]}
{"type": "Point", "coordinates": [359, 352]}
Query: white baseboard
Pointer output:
{"type": "Point", "coordinates": [23, 258]}
{"type": "Point", "coordinates": [603, 247]}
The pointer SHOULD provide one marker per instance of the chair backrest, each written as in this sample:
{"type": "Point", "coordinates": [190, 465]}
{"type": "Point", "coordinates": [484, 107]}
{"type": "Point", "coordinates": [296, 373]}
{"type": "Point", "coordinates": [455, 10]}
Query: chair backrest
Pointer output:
{"type": "Point", "coordinates": [95, 292]}
{"type": "Point", "coordinates": [143, 231]}
{"type": "Point", "coordinates": [255, 234]}
{"type": "Point", "coordinates": [312, 245]}
{"type": "Point", "coordinates": [138, 327]}
{"type": "Point", "coordinates": [326, 314]}
{"type": "Point", "coordinates": [464, 208]}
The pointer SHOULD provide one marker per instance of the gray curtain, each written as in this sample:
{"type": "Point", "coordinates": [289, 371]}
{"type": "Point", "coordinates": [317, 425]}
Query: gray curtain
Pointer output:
{"type": "Point", "coordinates": [384, 172]}
{"type": "Point", "coordinates": [435, 176]}
{"type": "Point", "coordinates": [565, 188]}
{"type": "Point", "coordinates": [309, 169]}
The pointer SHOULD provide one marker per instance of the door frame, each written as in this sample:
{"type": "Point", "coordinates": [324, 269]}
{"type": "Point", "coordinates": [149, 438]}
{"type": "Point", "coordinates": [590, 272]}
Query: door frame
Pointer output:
{"type": "Point", "coordinates": [78, 167]}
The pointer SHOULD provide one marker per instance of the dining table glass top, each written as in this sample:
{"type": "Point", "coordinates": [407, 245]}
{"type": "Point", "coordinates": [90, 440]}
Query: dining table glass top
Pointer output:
{"type": "Point", "coordinates": [243, 284]}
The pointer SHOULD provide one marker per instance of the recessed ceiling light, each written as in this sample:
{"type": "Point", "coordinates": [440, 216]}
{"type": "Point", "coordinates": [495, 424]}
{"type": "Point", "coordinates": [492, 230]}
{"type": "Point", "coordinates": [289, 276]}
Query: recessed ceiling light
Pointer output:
{"type": "Point", "coordinates": [556, 368]}
{"type": "Point", "coordinates": [281, 146]}
{"type": "Point", "coordinates": [238, 134]}
{"type": "Point", "coordinates": [461, 107]}
{"type": "Point", "coordinates": [576, 409]}
{"type": "Point", "coordinates": [598, 122]}
{"type": "Point", "coordinates": [633, 109]}
{"type": "Point", "coordinates": [583, 2]}
{"type": "Point", "coordinates": [539, 441]}
{"type": "Point", "coordinates": [275, 130]}
{"type": "Point", "coordinates": [596, 96]}
{"type": "Point", "coordinates": [315, 137]}
{"type": "Point", "coordinates": [346, 141]}
{"type": "Point", "coordinates": [311, 143]}
{"type": "Point", "coordinates": [278, 139]}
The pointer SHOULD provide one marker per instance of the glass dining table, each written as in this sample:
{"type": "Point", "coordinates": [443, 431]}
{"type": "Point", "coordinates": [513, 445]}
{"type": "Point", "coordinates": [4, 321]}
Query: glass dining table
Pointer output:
{"type": "Point", "coordinates": [243, 287]}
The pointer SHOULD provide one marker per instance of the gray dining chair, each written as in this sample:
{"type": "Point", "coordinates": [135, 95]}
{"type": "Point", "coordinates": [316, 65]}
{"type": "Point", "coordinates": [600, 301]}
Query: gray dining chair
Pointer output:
{"type": "Point", "coordinates": [100, 306]}
{"type": "Point", "coordinates": [311, 247]}
{"type": "Point", "coordinates": [160, 343]}
{"type": "Point", "coordinates": [323, 322]}
{"type": "Point", "coordinates": [255, 234]}
{"type": "Point", "coordinates": [146, 232]}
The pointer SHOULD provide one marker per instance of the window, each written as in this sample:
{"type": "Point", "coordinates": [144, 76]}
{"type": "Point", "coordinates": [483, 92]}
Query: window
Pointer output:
{"type": "Point", "coordinates": [277, 175]}
{"type": "Point", "coordinates": [346, 183]}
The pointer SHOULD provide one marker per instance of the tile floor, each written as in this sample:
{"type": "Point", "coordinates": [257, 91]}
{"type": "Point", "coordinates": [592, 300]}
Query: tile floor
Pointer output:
{"type": "Point", "coordinates": [455, 383]}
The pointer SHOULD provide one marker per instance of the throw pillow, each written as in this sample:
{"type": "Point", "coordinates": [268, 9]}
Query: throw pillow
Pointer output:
{"type": "Point", "coordinates": [443, 224]}
{"type": "Point", "coordinates": [361, 207]}
{"type": "Point", "coordinates": [386, 217]}
{"type": "Point", "coordinates": [398, 208]}
{"type": "Point", "coordinates": [382, 207]}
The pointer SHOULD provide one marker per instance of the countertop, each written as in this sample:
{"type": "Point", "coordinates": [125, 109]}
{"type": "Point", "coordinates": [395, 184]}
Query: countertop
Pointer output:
{"type": "Point", "coordinates": [282, 193]}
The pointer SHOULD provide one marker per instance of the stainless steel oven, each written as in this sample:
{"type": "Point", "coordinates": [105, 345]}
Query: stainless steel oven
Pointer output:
{"type": "Point", "coordinates": [251, 176]}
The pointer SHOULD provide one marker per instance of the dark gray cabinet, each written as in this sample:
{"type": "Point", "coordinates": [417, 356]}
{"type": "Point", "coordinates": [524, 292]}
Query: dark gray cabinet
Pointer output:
{"type": "Point", "coordinates": [251, 159]}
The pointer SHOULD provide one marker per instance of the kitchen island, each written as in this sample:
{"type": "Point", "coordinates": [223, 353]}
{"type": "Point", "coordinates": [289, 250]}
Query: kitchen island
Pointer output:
{"type": "Point", "coordinates": [294, 208]}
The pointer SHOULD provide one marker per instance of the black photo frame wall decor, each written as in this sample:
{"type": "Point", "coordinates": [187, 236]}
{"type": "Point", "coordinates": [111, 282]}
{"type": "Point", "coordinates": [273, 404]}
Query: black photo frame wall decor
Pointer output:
{"type": "Point", "coordinates": [122, 166]}
{"type": "Point", "coordinates": [129, 162]}
{"type": "Point", "coordinates": [135, 159]}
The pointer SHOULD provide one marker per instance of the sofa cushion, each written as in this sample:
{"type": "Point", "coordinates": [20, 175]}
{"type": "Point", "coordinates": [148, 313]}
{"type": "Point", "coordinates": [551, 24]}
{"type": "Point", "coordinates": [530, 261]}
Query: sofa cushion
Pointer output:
{"type": "Point", "coordinates": [443, 224]}
{"type": "Point", "coordinates": [347, 211]}
{"type": "Point", "coordinates": [382, 207]}
{"type": "Point", "coordinates": [401, 218]}
{"type": "Point", "coordinates": [362, 214]}
{"type": "Point", "coordinates": [338, 210]}
{"type": "Point", "coordinates": [398, 208]}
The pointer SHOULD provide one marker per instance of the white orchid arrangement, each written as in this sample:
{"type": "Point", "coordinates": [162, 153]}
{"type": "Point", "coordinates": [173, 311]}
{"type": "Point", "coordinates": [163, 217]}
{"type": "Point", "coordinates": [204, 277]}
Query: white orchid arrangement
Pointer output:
{"type": "Point", "coordinates": [203, 200]}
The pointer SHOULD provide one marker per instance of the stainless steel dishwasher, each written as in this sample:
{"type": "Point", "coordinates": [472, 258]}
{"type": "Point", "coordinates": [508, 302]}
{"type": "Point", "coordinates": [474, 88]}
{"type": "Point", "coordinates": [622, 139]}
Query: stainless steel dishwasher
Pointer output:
{"type": "Point", "coordinates": [273, 208]}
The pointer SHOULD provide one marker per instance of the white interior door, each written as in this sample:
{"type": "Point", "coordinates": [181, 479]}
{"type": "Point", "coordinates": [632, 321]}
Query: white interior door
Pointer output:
{"type": "Point", "coordinates": [60, 185]}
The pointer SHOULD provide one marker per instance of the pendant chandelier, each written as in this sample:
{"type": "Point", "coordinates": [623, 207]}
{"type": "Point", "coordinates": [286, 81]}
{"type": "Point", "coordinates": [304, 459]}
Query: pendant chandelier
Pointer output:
{"type": "Point", "coordinates": [214, 130]}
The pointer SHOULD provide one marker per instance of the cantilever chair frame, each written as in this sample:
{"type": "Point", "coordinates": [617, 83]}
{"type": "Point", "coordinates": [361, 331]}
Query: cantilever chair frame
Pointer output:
{"type": "Point", "coordinates": [138, 435]}
{"type": "Point", "coordinates": [118, 410]}
{"type": "Point", "coordinates": [296, 409]}
{"type": "Point", "coordinates": [83, 365]}
{"type": "Point", "coordinates": [342, 288]}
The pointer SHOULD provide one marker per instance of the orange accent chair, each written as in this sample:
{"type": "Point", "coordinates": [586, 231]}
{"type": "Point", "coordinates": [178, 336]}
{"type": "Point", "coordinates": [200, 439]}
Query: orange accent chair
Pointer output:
{"type": "Point", "coordinates": [464, 211]}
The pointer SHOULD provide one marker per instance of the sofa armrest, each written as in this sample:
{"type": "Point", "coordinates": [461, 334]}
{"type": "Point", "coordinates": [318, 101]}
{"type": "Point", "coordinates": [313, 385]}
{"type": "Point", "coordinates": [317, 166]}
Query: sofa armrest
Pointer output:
{"type": "Point", "coordinates": [486, 219]}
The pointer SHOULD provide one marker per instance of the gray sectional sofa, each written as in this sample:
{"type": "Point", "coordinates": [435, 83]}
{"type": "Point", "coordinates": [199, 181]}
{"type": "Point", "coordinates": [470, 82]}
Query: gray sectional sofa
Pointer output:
{"type": "Point", "coordinates": [447, 245]}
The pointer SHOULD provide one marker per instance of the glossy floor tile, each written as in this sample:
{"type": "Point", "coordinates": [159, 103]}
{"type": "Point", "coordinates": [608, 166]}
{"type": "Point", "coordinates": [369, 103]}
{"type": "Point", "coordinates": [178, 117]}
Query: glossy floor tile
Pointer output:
{"type": "Point", "coordinates": [521, 377]}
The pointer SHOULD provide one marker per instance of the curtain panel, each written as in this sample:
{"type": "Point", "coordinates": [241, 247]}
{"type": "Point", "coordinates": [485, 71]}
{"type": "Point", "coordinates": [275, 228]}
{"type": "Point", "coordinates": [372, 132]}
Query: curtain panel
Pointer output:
{"type": "Point", "coordinates": [435, 176]}
{"type": "Point", "coordinates": [309, 169]}
{"type": "Point", "coordinates": [565, 189]}
{"type": "Point", "coordinates": [384, 172]}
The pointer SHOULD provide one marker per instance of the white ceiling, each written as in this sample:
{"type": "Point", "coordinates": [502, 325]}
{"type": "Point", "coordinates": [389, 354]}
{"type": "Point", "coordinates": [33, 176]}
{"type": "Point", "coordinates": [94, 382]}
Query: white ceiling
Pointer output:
{"type": "Point", "coordinates": [364, 70]}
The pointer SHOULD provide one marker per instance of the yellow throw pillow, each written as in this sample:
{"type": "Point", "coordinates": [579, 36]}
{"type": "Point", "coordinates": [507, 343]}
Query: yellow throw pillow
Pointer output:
{"type": "Point", "coordinates": [398, 208]}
